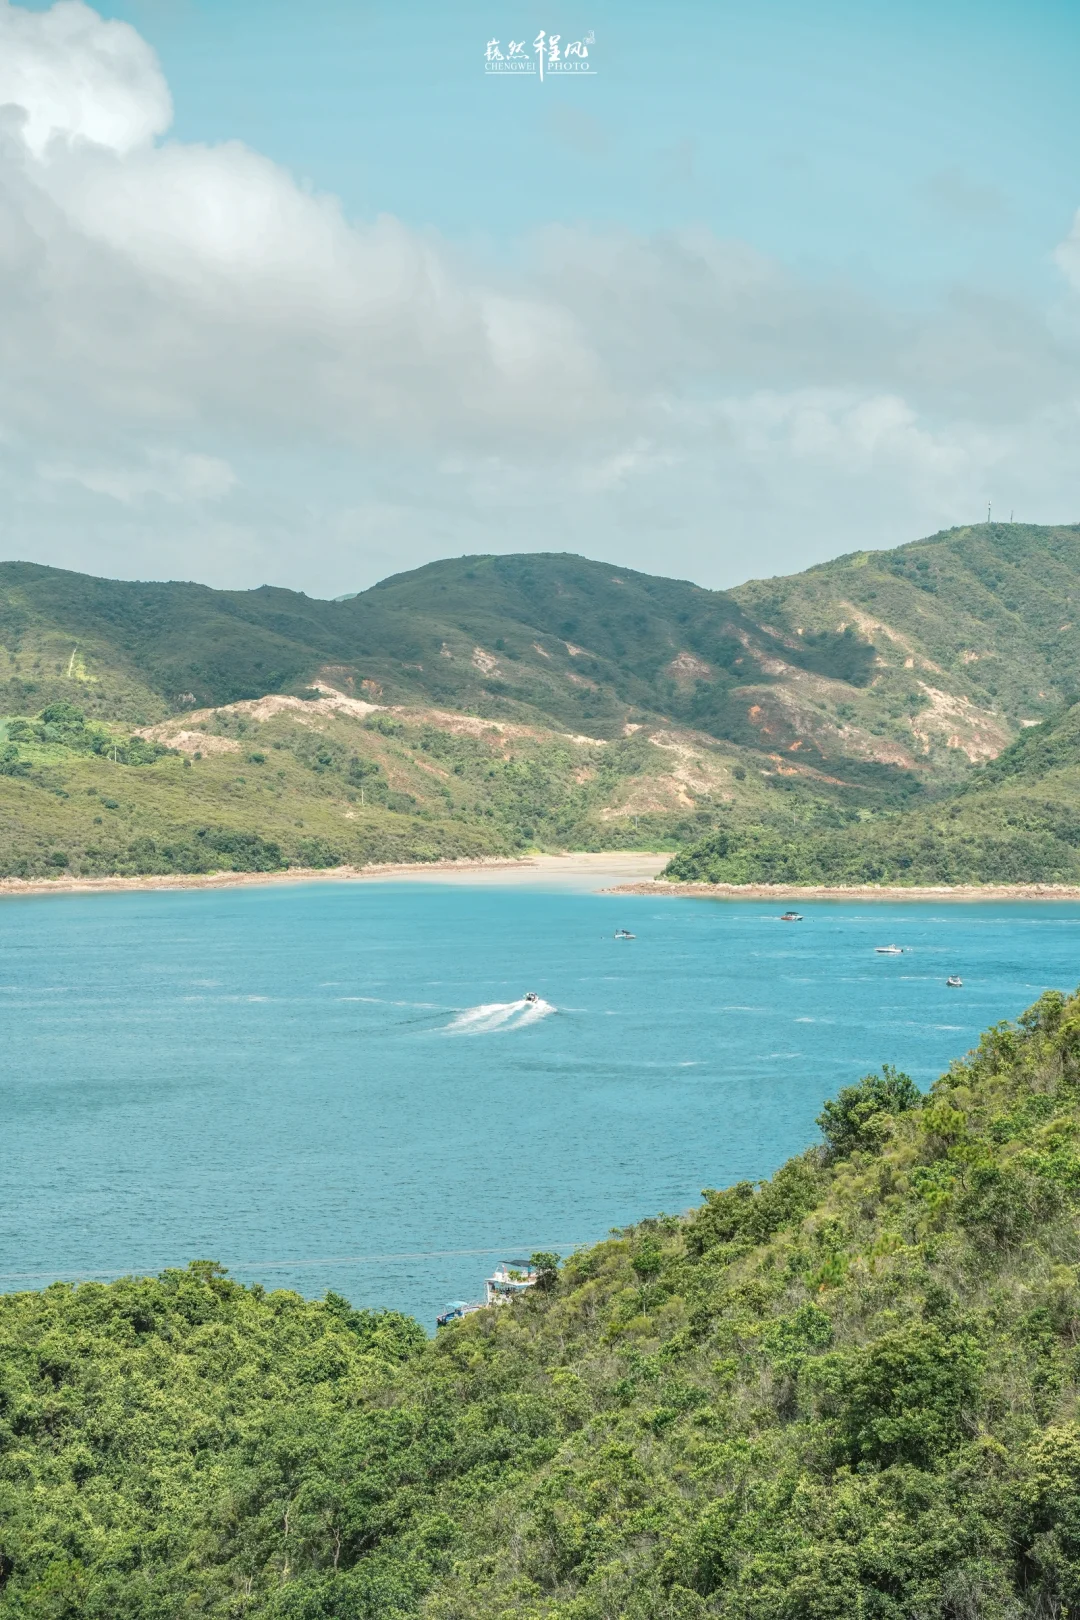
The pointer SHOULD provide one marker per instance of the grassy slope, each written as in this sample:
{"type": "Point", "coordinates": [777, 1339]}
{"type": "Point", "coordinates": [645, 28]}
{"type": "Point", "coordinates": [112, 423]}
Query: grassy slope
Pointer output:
{"type": "Point", "coordinates": [850, 1391]}
{"type": "Point", "coordinates": [626, 630]}
{"type": "Point", "coordinates": [993, 608]}
{"type": "Point", "coordinates": [1014, 820]}
{"type": "Point", "coordinates": [311, 785]}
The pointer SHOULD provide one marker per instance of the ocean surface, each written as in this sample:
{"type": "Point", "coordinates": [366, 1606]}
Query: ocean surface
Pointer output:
{"type": "Point", "coordinates": [340, 1086]}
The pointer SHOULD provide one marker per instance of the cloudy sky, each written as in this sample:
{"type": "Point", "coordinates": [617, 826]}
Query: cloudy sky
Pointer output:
{"type": "Point", "coordinates": [300, 294]}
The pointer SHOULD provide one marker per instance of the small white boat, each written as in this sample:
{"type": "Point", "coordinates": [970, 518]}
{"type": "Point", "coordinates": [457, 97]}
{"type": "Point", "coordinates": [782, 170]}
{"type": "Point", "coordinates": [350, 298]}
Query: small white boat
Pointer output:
{"type": "Point", "coordinates": [889, 950]}
{"type": "Point", "coordinates": [624, 933]}
{"type": "Point", "coordinates": [954, 981]}
{"type": "Point", "coordinates": [791, 916]}
{"type": "Point", "coordinates": [530, 996]}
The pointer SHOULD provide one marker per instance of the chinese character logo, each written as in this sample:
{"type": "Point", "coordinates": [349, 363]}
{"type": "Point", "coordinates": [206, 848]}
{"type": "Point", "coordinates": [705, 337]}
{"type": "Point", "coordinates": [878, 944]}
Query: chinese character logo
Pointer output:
{"type": "Point", "coordinates": [550, 55]}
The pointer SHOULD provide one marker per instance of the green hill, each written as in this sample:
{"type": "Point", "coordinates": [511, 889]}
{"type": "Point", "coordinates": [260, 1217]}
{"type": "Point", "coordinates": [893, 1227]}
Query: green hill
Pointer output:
{"type": "Point", "coordinates": [995, 604]}
{"type": "Point", "coordinates": [555, 638]}
{"type": "Point", "coordinates": [912, 660]}
{"type": "Point", "coordinates": [865, 686]}
{"type": "Point", "coordinates": [1014, 820]}
{"type": "Point", "coordinates": [852, 1390]}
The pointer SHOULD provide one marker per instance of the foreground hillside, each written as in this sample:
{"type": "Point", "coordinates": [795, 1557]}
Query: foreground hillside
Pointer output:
{"type": "Point", "coordinates": [850, 1391]}
{"type": "Point", "coordinates": [1014, 820]}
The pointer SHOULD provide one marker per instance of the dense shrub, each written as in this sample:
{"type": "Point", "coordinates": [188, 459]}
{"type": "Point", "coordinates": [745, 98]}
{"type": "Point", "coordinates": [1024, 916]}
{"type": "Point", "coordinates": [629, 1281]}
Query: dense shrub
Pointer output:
{"type": "Point", "coordinates": [857, 1115]}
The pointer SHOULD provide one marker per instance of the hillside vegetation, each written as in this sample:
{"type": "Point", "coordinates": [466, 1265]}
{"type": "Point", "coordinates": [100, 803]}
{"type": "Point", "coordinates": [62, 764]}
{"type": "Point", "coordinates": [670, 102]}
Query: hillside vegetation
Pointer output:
{"type": "Point", "coordinates": [632, 710]}
{"type": "Point", "coordinates": [997, 602]}
{"type": "Point", "coordinates": [848, 1391]}
{"type": "Point", "coordinates": [913, 658]}
{"type": "Point", "coordinates": [325, 781]}
{"type": "Point", "coordinates": [1014, 820]}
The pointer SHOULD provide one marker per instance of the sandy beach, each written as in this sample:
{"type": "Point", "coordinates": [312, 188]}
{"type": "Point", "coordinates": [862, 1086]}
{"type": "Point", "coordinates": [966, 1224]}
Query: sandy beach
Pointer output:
{"type": "Point", "coordinates": [863, 891]}
{"type": "Point", "coordinates": [613, 872]}
{"type": "Point", "coordinates": [619, 869]}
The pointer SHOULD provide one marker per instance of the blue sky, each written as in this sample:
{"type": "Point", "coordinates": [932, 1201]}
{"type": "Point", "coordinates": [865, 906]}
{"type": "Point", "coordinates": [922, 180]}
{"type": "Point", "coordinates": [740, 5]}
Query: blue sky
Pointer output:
{"type": "Point", "coordinates": [903, 142]}
{"type": "Point", "coordinates": [832, 237]}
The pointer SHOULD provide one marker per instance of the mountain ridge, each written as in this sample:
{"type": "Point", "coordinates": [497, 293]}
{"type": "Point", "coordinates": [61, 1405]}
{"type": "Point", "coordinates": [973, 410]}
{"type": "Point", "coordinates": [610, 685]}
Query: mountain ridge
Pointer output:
{"type": "Point", "coordinates": [858, 688]}
{"type": "Point", "coordinates": [671, 647]}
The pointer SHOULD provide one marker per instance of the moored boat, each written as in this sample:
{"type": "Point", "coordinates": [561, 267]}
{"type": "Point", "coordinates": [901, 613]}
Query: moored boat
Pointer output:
{"type": "Point", "coordinates": [456, 1310]}
{"type": "Point", "coordinates": [954, 981]}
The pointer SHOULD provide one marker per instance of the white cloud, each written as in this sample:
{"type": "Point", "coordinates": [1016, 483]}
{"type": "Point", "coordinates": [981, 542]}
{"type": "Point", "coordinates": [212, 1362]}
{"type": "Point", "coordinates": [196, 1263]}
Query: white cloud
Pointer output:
{"type": "Point", "coordinates": [184, 326]}
{"type": "Point", "coordinates": [72, 75]}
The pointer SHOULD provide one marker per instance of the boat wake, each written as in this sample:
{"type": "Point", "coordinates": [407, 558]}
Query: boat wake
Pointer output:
{"type": "Point", "coordinates": [496, 1016]}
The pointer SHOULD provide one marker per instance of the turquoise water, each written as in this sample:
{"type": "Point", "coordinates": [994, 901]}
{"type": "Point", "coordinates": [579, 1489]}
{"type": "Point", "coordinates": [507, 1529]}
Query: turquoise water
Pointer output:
{"type": "Point", "coordinates": [336, 1086]}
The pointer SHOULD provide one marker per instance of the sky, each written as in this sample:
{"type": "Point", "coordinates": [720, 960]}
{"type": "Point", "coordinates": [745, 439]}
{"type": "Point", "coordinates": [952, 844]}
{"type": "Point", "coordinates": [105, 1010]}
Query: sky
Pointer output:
{"type": "Point", "coordinates": [308, 296]}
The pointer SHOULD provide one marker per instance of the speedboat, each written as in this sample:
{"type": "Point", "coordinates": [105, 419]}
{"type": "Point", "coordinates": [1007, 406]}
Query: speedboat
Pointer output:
{"type": "Point", "coordinates": [791, 916]}
{"type": "Point", "coordinates": [889, 950]}
{"type": "Point", "coordinates": [955, 982]}
{"type": "Point", "coordinates": [624, 933]}
{"type": "Point", "coordinates": [531, 996]}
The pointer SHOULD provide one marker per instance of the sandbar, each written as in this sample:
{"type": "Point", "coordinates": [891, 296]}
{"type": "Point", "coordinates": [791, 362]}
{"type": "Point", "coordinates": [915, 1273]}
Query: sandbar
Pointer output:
{"type": "Point", "coordinates": [577, 870]}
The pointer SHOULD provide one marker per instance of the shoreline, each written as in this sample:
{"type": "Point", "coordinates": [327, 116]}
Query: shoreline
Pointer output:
{"type": "Point", "coordinates": [601, 867]}
{"type": "Point", "coordinates": [600, 871]}
{"type": "Point", "coordinates": [860, 891]}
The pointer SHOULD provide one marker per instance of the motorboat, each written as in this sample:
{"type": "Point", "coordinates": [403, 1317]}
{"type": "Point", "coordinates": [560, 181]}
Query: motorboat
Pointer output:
{"type": "Point", "coordinates": [457, 1310]}
{"type": "Point", "coordinates": [791, 916]}
{"type": "Point", "coordinates": [954, 981]}
{"type": "Point", "coordinates": [624, 933]}
{"type": "Point", "coordinates": [531, 996]}
{"type": "Point", "coordinates": [889, 950]}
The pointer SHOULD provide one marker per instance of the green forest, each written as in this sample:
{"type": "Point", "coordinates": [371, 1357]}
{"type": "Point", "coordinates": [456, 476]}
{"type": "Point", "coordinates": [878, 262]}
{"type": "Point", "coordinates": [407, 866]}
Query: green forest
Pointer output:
{"type": "Point", "coordinates": [1015, 819]}
{"type": "Point", "coordinates": [848, 1391]}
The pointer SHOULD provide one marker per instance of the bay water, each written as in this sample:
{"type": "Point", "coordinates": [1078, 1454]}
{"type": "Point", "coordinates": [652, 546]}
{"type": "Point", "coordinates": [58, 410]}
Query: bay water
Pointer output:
{"type": "Point", "coordinates": [341, 1086]}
